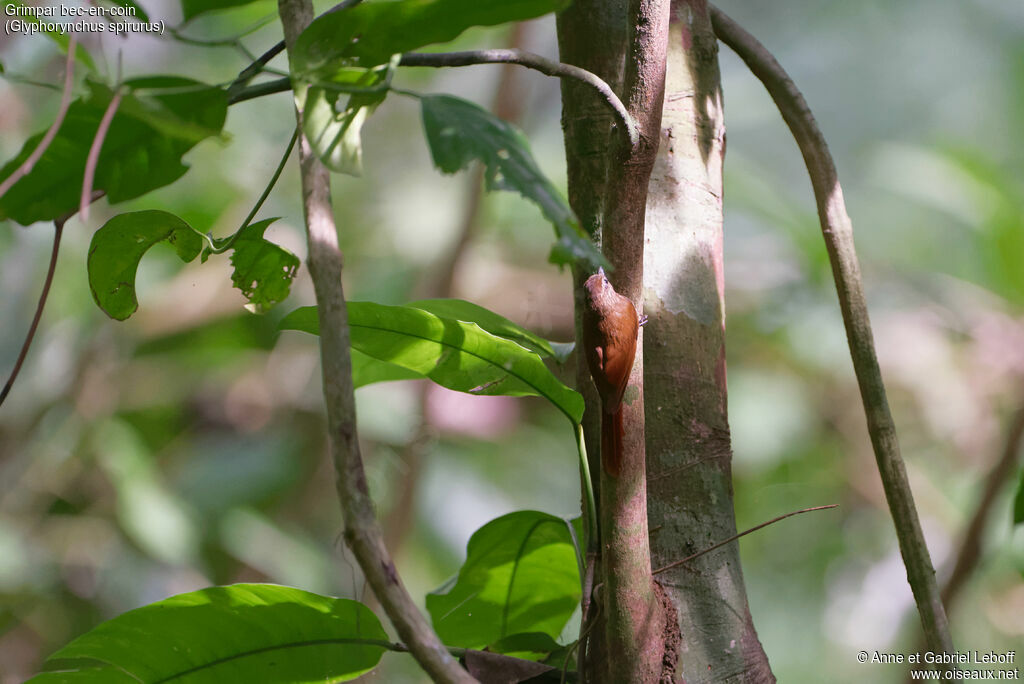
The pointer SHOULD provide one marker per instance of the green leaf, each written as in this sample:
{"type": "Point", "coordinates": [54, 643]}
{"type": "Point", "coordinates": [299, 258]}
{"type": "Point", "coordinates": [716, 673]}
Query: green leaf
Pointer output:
{"type": "Point", "coordinates": [528, 645]}
{"type": "Point", "coordinates": [454, 354]}
{"type": "Point", "coordinates": [520, 575]}
{"type": "Point", "coordinates": [371, 32]}
{"type": "Point", "coordinates": [239, 633]}
{"type": "Point", "coordinates": [117, 247]}
{"type": "Point", "coordinates": [263, 271]}
{"type": "Point", "coordinates": [152, 130]}
{"type": "Point", "coordinates": [459, 132]}
{"type": "Point", "coordinates": [1018, 503]}
{"type": "Point", "coordinates": [461, 310]}
{"type": "Point", "coordinates": [335, 133]}
{"type": "Point", "coordinates": [85, 675]}
{"type": "Point", "coordinates": [367, 370]}
{"type": "Point", "coordinates": [190, 9]}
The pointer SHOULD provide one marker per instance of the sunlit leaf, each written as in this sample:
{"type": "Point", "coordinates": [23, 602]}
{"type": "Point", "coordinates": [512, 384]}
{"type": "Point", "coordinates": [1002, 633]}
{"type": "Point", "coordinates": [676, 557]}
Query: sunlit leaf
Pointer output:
{"type": "Point", "coordinates": [373, 31]}
{"type": "Point", "coordinates": [118, 246]}
{"type": "Point", "coordinates": [239, 633]}
{"type": "Point", "coordinates": [520, 576]}
{"type": "Point", "coordinates": [263, 271]}
{"type": "Point", "coordinates": [461, 310]}
{"type": "Point", "coordinates": [460, 132]}
{"type": "Point", "coordinates": [455, 354]}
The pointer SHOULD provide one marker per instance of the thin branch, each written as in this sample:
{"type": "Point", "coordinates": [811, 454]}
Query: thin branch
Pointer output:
{"type": "Point", "coordinates": [970, 549]}
{"type": "Point", "coordinates": [238, 92]}
{"type": "Point", "coordinates": [92, 160]}
{"type": "Point", "coordinates": [744, 533]}
{"type": "Point", "coordinates": [838, 232]}
{"type": "Point", "coordinates": [65, 103]}
{"type": "Point", "coordinates": [58, 230]}
{"type": "Point", "coordinates": [529, 60]}
{"type": "Point", "coordinates": [362, 530]}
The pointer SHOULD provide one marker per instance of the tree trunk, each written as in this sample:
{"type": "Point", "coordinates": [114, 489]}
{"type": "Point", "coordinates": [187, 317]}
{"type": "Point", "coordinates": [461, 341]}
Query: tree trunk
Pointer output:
{"type": "Point", "coordinates": [683, 389]}
{"type": "Point", "coordinates": [689, 455]}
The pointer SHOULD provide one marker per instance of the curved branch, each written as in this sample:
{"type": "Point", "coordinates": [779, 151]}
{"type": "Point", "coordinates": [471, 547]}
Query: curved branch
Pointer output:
{"type": "Point", "coordinates": [529, 60]}
{"type": "Point", "coordinates": [58, 230]}
{"type": "Point", "coordinates": [362, 530]}
{"type": "Point", "coordinates": [970, 549]}
{"type": "Point", "coordinates": [838, 232]}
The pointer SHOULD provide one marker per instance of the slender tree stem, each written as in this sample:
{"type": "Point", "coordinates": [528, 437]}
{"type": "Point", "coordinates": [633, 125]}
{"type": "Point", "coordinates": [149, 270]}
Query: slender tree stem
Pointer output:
{"type": "Point", "coordinates": [838, 232]}
{"type": "Point", "coordinates": [362, 531]}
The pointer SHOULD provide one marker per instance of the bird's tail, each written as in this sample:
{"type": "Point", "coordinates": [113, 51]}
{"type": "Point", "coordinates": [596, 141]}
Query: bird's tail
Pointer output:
{"type": "Point", "coordinates": [611, 442]}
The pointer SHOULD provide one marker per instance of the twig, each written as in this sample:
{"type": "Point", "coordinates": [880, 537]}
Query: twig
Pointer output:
{"type": "Point", "coordinates": [838, 232]}
{"type": "Point", "coordinates": [65, 103]}
{"type": "Point", "coordinates": [58, 230]}
{"type": "Point", "coordinates": [92, 160]}
{"type": "Point", "coordinates": [970, 549]}
{"type": "Point", "coordinates": [733, 538]}
{"type": "Point", "coordinates": [238, 92]}
{"type": "Point", "coordinates": [529, 60]}
{"type": "Point", "coordinates": [362, 530]}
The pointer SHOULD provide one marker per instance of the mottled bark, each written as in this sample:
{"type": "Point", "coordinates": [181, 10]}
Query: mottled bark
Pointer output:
{"type": "Point", "coordinates": [689, 455]}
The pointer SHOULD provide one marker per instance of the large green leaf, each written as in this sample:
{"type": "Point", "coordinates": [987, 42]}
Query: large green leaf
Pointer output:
{"type": "Point", "coordinates": [520, 576]}
{"type": "Point", "coordinates": [158, 121]}
{"type": "Point", "coordinates": [263, 271]}
{"type": "Point", "coordinates": [459, 132]}
{"type": "Point", "coordinates": [239, 633]}
{"type": "Point", "coordinates": [455, 354]}
{"type": "Point", "coordinates": [461, 310]}
{"type": "Point", "coordinates": [371, 32]}
{"type": "Point", "coordinates": [118, 246]}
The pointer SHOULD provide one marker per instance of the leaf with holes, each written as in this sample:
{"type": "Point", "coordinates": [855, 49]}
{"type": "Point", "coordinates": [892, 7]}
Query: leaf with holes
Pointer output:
{"type": "Point", "coordinates": [263, 271]}
{"type": "Point", "coordinates": [459, 132]}
{"type": "Point", "coordinates": [520, 576]}
{"type": "Point", "coordinates": [454, 354]}
{"type": "Point", "coordinates": [118, 246]}
{"type": "Point", "coordinates": [239, 633]}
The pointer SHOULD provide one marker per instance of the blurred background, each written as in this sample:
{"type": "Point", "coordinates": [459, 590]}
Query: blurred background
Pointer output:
{"type": "Point", "coordinates": [185, 446]}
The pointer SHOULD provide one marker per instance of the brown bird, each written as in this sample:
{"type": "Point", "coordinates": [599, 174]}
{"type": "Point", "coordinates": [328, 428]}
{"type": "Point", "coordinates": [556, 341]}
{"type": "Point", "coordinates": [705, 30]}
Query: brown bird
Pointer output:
{"type": "Point", "coordinates": [610, 330]}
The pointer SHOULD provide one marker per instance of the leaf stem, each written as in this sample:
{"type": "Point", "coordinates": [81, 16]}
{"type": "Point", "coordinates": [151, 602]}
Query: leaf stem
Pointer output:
{"type": "Point", "coordinates": [230, 241]}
